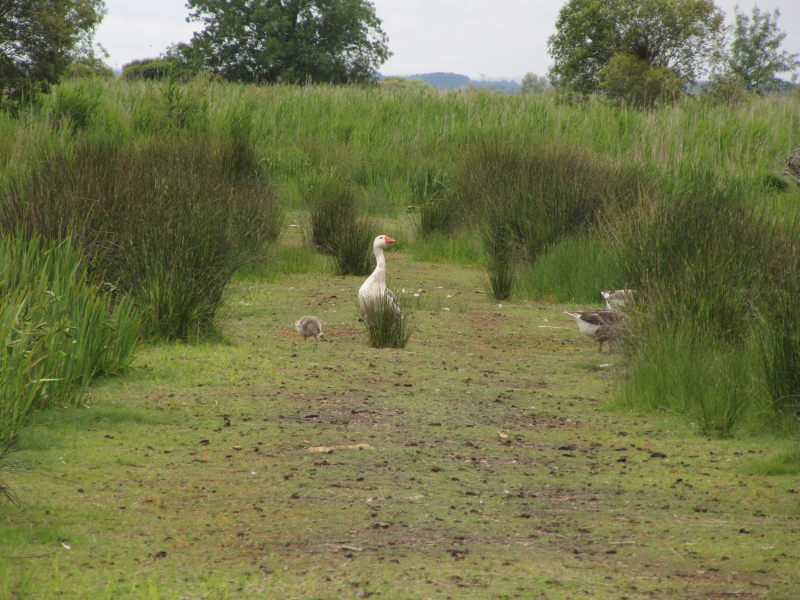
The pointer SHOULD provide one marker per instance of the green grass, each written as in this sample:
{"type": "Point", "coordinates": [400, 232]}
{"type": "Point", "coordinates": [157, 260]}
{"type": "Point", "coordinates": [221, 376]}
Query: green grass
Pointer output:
{"type": "Point", "coordinates": [387, 321]}
{"type": "Point", "coordinates": [487, 458]}
{"type": "Point", "coordinates": [462, 248]}
{"type": "Point", "coordinates": [785, 463]}
{"type": "Point", "coordinates": [165, 219]}
{"type": "Point", "coordinates": [59, 330]}
{"type": "Point", "coordinates": [573, 270]}
{"type": "Point", "coordinates": [493, 467]}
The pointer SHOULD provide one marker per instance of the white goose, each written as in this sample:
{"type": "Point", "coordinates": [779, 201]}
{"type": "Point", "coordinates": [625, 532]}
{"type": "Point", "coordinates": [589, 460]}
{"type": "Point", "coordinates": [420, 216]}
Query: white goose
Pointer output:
{"type": "Point", "coordinates": [375, 285]}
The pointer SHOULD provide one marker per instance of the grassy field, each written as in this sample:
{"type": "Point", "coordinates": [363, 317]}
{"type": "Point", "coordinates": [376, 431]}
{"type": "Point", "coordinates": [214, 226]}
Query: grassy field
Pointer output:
{"type": "Point", "coordinates": [483, 461]}
{"type": "Point", "coordinates": [497, 455]}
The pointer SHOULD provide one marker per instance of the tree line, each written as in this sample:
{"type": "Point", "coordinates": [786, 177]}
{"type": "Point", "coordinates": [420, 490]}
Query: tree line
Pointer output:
{"type": "Point", "coordinates": [641, 52]}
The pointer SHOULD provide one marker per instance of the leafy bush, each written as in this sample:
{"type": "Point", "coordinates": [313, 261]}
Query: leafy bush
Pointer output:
{"type": "Point", "coordinates": [150, 68]}
{"type": "Point", "coordinates": [727, 88]}
{"type": "Point", "coordinates": [88, 68]}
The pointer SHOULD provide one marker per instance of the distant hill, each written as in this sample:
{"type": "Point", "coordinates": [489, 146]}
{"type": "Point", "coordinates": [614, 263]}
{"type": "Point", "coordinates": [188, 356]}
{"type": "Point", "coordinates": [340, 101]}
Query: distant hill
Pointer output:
{"type": "Point", "coordinates": [451, 81]}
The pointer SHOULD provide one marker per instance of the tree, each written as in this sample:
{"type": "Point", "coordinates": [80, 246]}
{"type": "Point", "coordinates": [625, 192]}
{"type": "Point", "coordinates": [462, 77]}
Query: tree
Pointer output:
{"type": "Point", "coordinates": [633, 81]}
{"type": "Point", "coordinates": [297, 41]}
{"type": "Point", "coordinates": [148, 68]}
{"type": "Point", "coordinates": [756, 56]}
{"type": "Point", "coordinates": [533, 84]}
{"type": "Point", "coordinates": [88, 67]}
{"type": "Point", "coordinates": [39, 39]}
{"type": "Point", "coordinates": [684, 36]}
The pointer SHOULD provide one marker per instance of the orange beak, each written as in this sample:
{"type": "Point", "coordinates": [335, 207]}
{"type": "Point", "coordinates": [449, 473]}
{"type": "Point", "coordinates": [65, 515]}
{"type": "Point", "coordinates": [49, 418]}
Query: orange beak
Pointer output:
{"type": "Point", "coordinates": [388, 240]}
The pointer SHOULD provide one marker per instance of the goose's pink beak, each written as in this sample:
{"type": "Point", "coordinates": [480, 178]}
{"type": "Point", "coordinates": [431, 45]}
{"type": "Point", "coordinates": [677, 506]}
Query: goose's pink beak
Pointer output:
{"type": "Point", "coordinates": [388, 240]}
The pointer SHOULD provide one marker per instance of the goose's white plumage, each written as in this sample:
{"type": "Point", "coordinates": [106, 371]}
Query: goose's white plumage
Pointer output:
{"type": "Point", "coordinates": [374, 288]}
{"type": "Point", "coordinates": [309, 327]}
{"type": "Point", "coordinates": [602, 325]}
{"type": "Point", "coordinates": [616, 299]}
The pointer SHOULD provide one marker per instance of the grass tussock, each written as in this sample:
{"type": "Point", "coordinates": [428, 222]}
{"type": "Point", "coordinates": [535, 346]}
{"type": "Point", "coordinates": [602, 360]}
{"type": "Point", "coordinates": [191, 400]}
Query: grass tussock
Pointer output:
{"type": "Point", "coordinates": [336, 227]}
{"type": "Point", "coordinates": [59, 329]}
{"type": "Point", "coordinates": [163, 219]}
{"type": "Point", "coordinates": [526, 200]}
{"type": "Point", "coordinates": [503, 258]}
{"type": "Point", "coordinates": [712, 333]}
{"type": "Point", "coordinates": [387, 322]}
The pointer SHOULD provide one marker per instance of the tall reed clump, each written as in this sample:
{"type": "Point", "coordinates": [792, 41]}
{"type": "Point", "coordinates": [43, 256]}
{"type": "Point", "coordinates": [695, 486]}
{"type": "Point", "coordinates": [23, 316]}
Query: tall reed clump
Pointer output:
{"type": "Point", "coordinates": [503, 257]}
{"type": "Point", "coordinates": [528, 198]}
{"type": "Point", "coordinates": [58, 328]}
{"type": "Point", "coordinates": [170, 106]}
{"type": "Point", "coordinates": [709, 272]}
{"type": "Point", "coordinates": [336, 227]}
{"type": "Point", "coordinates": [163, 219]}
{"type": "Point", "coordinates": [387, 321]}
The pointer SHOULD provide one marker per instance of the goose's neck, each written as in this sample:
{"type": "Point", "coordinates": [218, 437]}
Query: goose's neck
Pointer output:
{"type": "Point", "coordinates": [380, 260]}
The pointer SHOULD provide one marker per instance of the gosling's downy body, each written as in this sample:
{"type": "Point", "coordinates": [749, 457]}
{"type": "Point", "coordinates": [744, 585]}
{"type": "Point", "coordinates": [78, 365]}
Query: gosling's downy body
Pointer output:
{"type": "Point", "coordinates": [309, 327]}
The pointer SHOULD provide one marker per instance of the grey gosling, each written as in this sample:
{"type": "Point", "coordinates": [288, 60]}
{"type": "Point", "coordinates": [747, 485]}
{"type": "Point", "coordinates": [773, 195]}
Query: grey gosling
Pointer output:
{"type": "Point", "coordinates": [309, 327]}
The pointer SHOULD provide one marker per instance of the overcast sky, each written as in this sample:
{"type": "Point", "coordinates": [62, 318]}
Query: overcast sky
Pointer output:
{"type": "Point", "coordinates": [479, 38]}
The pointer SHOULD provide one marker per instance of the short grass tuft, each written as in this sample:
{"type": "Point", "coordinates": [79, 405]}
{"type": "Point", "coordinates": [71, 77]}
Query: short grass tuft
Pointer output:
{"type": "Point", "coordinates": [387, 322]}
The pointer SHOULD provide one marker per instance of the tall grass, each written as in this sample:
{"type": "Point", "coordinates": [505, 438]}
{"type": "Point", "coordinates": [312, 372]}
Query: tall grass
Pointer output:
{"type": "Point", "coordinates": [503, 257]}
{"type": "Point", "coordinates": [574, 269]}
{"type": "Point", "coordinates": [686, 370]}
{"type": "Point", "coordinates": [460, 247]}
{"type": "Point", "coordinates": [681, 190]}
{"type": "Point", "coordinates": [528, 199]}
{"type": "Point", "coordinates": [712, 334]}
{"type": "Point", "coordinates": [59, 330]}
{"type": "Point", "coordinates": [165, 219]}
